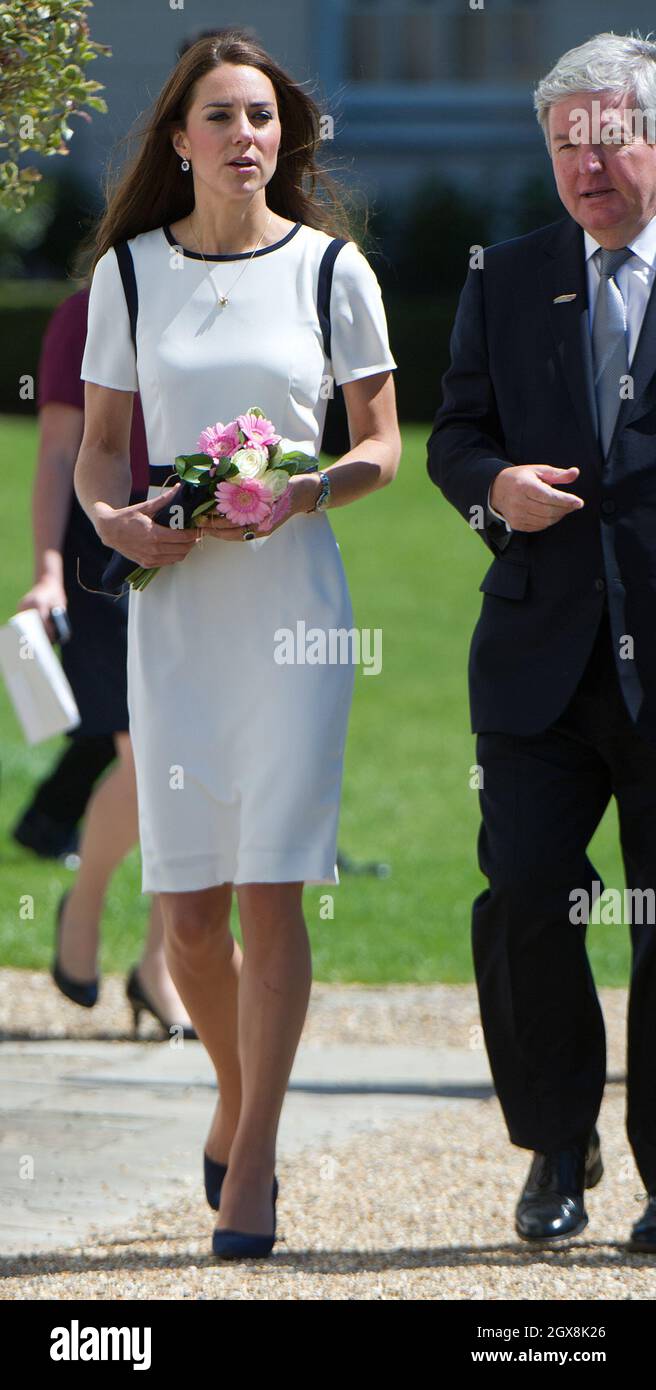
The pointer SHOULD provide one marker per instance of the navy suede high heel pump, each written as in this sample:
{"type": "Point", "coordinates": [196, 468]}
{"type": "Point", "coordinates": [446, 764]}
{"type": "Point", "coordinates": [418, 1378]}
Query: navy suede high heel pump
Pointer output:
{"type": "Point", "coordinates": [214, 1174]}
{"type": "Point", "coordinates": [241, 1245]}
{"type": "Point", "coordinates": [82, 992]}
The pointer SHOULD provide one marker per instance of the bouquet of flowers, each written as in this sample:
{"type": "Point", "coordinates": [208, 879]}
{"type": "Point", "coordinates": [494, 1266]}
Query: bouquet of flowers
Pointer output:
{"type": "Point", "coordinates": [242, 471]}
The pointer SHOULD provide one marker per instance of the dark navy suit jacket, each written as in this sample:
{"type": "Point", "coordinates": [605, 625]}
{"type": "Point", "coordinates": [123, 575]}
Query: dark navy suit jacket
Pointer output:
{"type": "Point", "coordinates": [520, 390]}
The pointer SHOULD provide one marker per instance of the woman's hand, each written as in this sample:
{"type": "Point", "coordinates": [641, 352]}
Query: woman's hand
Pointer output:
{"type": "Point", "coordinates": [132, 532]}
{"type": "Point", "coordinates": [47, 593]}
{"type": "Point", "coordinates": [304, 490]}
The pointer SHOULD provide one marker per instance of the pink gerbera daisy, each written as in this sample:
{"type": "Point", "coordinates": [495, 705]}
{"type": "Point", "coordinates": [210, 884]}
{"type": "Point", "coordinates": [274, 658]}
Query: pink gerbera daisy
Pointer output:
{"type": "Point", "coordinates": [245, 501]}
{"type": "Point", "coordinates": [257, 430]}
{"type": "Point", "coordinates": [219, 440]}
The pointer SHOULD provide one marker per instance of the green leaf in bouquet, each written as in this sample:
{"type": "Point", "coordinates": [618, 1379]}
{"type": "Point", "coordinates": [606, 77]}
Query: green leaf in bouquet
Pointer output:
{"type": "Point", "coordinates": [204, 507]}
{"type": "Point", "coordinates": [295, 461]}
{"type": "Point", "coordinates": [182, 460]}
{"type": "Point", "coordinates": [255, 410]}
{"type": "Point", "coordinates": [192, 467]}
{"type": "Point", "coordinates": [297, 456]}
{"type": "Point", "coordinates": [200, 460]}
{"type": "Point", "coordinates": [223, 467]}
{"type": "Point", "coordinates": [194, 474]}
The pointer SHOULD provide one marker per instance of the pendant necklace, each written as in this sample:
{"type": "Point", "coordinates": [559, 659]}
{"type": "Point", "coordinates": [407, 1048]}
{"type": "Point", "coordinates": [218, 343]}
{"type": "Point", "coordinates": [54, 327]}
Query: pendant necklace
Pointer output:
{"type": "Point", "coordinates": [222, 299]}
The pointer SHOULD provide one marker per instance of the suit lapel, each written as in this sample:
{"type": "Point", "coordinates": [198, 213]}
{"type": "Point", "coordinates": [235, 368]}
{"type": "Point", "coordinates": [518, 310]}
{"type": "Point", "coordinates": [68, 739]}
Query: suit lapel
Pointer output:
{"type": "Point", "coordinates": [564, 273]}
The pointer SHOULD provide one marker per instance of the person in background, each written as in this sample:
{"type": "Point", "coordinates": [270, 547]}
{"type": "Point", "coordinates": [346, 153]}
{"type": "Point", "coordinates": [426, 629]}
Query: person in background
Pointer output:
{"type": "Point", "coordinates": [49, 824]}
{"type": "Point", "coordinates": [68, 562]}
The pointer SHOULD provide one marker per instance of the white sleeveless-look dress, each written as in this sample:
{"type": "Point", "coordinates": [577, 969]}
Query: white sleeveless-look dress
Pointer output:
{"type": "Point", "coordinates": [238, 755]}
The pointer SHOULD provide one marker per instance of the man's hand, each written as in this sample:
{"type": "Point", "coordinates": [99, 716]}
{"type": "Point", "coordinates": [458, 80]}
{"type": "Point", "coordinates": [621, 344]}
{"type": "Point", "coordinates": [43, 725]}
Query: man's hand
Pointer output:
{"type": "Point", "coordinates": [524, 495]}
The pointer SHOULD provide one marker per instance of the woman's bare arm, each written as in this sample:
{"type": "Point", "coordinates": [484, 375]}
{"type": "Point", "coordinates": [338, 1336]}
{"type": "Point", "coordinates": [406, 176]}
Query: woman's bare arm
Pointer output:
{"type": "Point", "coordinates": [102, 478]}
{"type": "Point", "coordinates": [103, 483]}
{"type": "Point", "coordinates": [60, 432]}
{"type": "Point", "coordinates": [376, 445]}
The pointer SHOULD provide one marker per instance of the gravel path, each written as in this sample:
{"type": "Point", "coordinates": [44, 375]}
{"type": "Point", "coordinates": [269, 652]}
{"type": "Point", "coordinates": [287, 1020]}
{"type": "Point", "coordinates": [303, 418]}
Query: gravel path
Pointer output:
{"type": "Point", "coordinates": [423, 1210]}
{"type": "Point", "coordinates": [422, 1015]}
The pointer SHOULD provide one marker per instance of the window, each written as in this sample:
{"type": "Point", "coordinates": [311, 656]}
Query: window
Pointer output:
{"type": "Point", "coordinates": [441, 40]}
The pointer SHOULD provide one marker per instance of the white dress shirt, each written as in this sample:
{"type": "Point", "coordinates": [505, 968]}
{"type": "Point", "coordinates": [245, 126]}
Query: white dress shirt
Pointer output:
{"type": "Point", "coordinates": [634, 280]}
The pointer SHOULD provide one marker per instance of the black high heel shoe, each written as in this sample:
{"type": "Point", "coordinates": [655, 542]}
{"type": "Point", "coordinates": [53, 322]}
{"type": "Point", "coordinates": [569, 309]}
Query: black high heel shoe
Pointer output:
{"type": "Point", "coordinates": [82, 992]}
{"type": "Point", "coordinates": [139, 1001]}
{"type": "Point", "coordinates": [241, 1245]}
{"type": "Point", "coordinates": [214, 1174]}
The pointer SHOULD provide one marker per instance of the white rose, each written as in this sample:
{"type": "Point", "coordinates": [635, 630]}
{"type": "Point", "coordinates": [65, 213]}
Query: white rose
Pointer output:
{"type": "Point", "coordinates": [287, 446]}
{"type": "Point", "coordinates": [276, 479]}
{"type": "Point", "coordinates": [252, 462]}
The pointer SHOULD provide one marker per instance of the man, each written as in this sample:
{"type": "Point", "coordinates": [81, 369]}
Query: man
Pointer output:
{"type": "Point", "coordinates": [546, 442]}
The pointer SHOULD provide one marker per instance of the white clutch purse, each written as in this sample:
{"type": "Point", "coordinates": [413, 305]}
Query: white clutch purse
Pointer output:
{"type": "Point", "coordinates": [36, 682]}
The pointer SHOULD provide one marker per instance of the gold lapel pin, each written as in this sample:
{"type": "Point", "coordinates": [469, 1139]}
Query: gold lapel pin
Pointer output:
{"type": "Point", "coordinates": [564, 298]}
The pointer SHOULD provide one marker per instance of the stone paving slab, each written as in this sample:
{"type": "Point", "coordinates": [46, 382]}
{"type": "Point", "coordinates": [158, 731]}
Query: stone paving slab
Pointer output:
{"type": "Point", "coordinates": [110, 1126]}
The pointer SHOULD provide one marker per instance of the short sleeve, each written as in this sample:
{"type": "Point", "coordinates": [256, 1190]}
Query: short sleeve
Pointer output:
{"type": "Point", "coordinates": [109, 357]}
{"type": "Point", "coordinates": [359, 338]}
{"type": "Point", "coordinates": [61, 353]}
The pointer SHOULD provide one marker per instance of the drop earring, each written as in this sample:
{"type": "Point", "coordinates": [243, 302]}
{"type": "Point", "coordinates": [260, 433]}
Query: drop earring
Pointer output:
{"type": "Point", "coordinates": [185, 165]}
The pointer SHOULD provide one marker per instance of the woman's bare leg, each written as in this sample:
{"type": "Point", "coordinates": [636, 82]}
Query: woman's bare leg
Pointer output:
{"type": "Point", "coordinates": [110, 830]}
{"type": "Point", "coordinates": [153, 971]}
{"type": "Point", "coordinates": [204, 960]}
{"type": "Point", "coordinates": [274, 991]}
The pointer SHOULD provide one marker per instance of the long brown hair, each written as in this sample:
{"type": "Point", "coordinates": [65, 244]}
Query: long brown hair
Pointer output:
{"type": "Point", "coordinates": [151, 190]}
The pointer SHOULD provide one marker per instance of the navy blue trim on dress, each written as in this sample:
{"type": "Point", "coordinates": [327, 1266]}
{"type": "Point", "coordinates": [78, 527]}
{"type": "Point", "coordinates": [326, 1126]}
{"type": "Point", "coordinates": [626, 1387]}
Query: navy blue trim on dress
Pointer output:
{"type": "Point", "coordinates": [161, 474]}
{"type": "Point", "coordinates": [324, 288]}
{"type": "Point", "coordinates": [229, 256]}
{"type": "Point", "coordinates": [126, 267]}
{"type": "Point", "coordinates": [129, 280]}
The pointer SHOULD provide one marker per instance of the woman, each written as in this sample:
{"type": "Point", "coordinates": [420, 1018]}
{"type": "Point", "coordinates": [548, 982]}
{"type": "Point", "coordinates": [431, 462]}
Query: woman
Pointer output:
{"type": "Point", "coordinates": [68, 561]}
{"type": "Point", "coordinates": [239, 758]}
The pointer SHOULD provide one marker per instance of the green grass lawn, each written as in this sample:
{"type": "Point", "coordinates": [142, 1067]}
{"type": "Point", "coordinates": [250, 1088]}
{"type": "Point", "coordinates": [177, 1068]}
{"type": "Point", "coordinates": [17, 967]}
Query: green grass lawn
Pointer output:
{"type": "Point", "coordinates": [414, 569]}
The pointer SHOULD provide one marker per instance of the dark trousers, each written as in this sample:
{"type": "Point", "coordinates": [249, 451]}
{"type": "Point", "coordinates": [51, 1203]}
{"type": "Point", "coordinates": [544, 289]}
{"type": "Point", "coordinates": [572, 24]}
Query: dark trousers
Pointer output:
{"type": "Point", "coordinates": [542, 798]}
{"type": "Point", "coordinates": [63, 795]}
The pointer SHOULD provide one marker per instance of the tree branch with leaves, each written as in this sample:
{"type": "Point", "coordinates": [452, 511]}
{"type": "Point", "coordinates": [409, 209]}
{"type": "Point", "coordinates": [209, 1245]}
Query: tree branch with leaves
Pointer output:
{"type": "Point", "coordinates": [43, 52]}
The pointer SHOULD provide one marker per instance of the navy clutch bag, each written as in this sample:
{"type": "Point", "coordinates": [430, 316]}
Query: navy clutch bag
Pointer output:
{"type": "Point", "coordinates": [186, 495]}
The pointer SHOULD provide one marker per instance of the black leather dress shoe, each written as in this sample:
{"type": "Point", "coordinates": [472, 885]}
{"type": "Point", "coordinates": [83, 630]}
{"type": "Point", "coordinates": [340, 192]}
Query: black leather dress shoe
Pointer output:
{"type": "Point", "coordinates": [551, 1205]}
{"type": "Point", "coordinates": [643, 1235]}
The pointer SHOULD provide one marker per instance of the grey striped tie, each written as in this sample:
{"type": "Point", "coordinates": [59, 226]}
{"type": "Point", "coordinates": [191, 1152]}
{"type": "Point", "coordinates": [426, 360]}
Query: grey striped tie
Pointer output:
{"type": "Point", "coordinates": [609, 341]}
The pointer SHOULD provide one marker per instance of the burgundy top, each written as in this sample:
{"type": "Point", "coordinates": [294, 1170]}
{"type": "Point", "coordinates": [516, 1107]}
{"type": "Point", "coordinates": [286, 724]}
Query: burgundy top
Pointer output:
{"type": "Point", "coordinates": [59, 378]}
